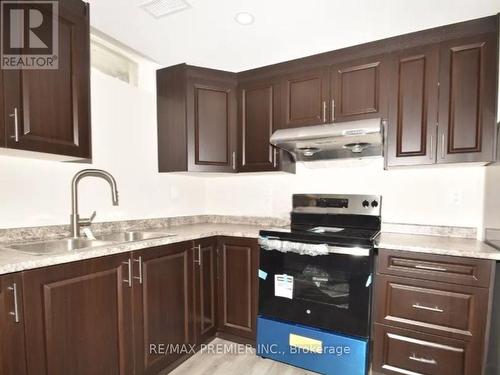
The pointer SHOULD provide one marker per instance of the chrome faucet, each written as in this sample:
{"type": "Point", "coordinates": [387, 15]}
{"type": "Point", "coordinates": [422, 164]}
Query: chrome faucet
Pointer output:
{"type": "Point", "coordinates": [76, 222]}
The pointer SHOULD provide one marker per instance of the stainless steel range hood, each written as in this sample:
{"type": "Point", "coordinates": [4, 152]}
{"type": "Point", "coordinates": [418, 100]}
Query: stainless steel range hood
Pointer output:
{"type": "Point", "coordinates": [355, 139]}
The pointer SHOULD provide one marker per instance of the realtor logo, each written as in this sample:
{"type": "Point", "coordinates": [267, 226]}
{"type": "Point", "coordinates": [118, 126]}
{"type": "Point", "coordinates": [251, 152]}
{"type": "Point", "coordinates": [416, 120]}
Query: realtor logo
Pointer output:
{"type": "Point", "coordinates": [29, 34]}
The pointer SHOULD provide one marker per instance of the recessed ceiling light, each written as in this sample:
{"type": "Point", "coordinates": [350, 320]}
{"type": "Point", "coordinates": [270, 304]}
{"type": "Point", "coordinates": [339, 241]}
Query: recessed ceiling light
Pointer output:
{"type": "Point", "coordinates": [244, 18]}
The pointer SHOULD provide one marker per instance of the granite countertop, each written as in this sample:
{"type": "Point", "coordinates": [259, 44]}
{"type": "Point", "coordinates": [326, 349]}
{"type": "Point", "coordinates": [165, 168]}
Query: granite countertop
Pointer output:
{"type": "Point", "coordinates": [439, 245]}
{"type": "Point", "coordinates": [13, 261]}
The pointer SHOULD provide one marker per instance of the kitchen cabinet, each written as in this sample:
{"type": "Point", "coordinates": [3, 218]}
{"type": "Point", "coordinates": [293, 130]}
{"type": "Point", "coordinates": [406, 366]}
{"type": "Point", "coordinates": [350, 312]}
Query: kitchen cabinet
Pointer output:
{"type": "Point", "coordinates": [467, 99]}
{"type": "Point", "coordinates": [431, 313]}
{"type": "Point", "coordinates": [163, 305]}
{"type": "Point", "coordinates": [206, 275]}
{"type": "Point", "coordinates": [238, 287]}
{"type": "Point", "coordinates": [48, 111]}
{"type": "Point", "coordinates": [259, 108]}
{"type": "Point", "coordinates": [359, 89]}
{"type": "Point", "coordinates": [197, 120]}
{"type": "Point", "coordinates": [436, 88]}
{"type": "Point", "coordinates": [12, 342]}
{"type": "Point", "coordinates": [2, 116]}
{"type": "Point", "coordinates": [78, 318]}
{"type": "Point", "coordinates": [413, 115]}
{"type": "Point", "coordinates": [305, 98]}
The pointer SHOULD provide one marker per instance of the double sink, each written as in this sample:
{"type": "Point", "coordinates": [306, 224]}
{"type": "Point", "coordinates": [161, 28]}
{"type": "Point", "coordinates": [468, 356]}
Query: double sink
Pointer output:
{"type": "Point", "coordinates": [72, 244]}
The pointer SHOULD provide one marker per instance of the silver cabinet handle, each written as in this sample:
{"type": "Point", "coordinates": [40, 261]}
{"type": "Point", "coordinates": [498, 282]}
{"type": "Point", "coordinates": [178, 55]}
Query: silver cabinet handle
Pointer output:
{"type": "Point", "coordinates": [430, 268]}
{"type": "Point", "coordinates": [443, 144]}
{"type": "Point", "coordinates": [422, 360]}
{"type": "Point", "coordinates": [333, 110]}
{"type": "Point", "coordinates": [420, 307]}
{"type": "Point", "coordinates": [324, 111]}
{"type": "Point", "coordinates": [139, 260]}
{"type": "Point", "coordinates": [217, 263]}
{"type": "Point", "coordinates": [431, 154]}
{"type": "Point", "coordinates": [233, 157]}
{"type": "Point", "coordinates": [128, 280]}
{"type": "Point", "coordinates": [15, 313]}
{"type": "Point", "coordinates": [16, 124]}
{"type": "Point", "coordinates": [275, 157]}
{"type": "Point", "coordinates": [199, 255]}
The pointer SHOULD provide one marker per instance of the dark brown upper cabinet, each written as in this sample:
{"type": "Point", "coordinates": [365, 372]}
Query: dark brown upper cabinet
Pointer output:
{"type": "Point", "coordinates": [359, 89]}
{"type": "Point", "coordinates": [78, 318]}
{"type": "Point", "coordinates": [436, 88]}
{"type": "Point", "coordinates": [2, 116]}
{"type": "Point", "coordinates": [12, 344]}
{"type": "Point", "coordinates": [197, 120]}
{"type": "Point", "coordinates": [48, 111]}
{"type": "Point", "coordinates": [413, 96]}
{"type": "Point", "coordinates": [259, 108]}
{"type": "Point", "coordinates": [467, 96]}
{"type": "Point", "coordinates": [205, 271]}
{"type": "Point", "coordinates": [163, 304]}
{"type": "Point", "coordinates": [305, 98]}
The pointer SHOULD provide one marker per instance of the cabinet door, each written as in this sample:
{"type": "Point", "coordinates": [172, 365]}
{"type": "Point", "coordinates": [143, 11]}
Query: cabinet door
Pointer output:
{"type": "Point", "coordinates": [238, 286]}
{"type": "Point", "coordinates": [78, 318]}
{"type": "Point", "coordinates": [49, 110]}
{"type": "Point", "coordinates": [259, 111]}
{"type": "Point", "coordinates": [163, 300]}
{"type": "Point", "coordinates": [12, 345]}
{"type": "Point", "coordinates": [359, 90]}
{"type": "Point", "coordinates": [2, 114]}
{"type": "Point", "coordinates": [468, 94]}
{"type": "Point", "coordinates": [212, 126]}
{"type": "Point", "coordinates": [305, 98]}
{"type": "Point", "coordinates": [205, 260]}
{"type": "Point", "coordinates": [413, 103]}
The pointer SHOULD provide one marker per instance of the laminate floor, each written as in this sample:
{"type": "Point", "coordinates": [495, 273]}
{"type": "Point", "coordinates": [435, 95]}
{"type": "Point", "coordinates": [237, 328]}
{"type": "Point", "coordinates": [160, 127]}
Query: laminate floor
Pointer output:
{"type": "Point", "coordinates": [225, 360]}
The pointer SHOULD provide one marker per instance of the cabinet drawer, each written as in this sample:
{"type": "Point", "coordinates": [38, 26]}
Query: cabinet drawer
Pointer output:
{"type": "Point", "coordinates": [449, 269]}
{"type": "Point", "coordinates": [427, 306]}
{"type": "Point", "coordinates": [398, 351]}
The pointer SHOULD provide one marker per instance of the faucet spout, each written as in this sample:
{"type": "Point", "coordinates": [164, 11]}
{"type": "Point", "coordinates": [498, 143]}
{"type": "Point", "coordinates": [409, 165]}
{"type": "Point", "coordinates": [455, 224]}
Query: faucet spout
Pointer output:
{"type": "Point", "coordinates": [75, 219]}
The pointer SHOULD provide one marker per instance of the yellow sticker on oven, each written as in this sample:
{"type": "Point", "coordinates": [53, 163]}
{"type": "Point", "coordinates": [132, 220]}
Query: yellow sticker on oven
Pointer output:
{"type": "Point", "coordinates": [305, 343]}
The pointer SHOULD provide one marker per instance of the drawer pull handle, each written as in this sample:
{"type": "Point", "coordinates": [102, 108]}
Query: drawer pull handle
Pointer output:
{"type": "Point", "coordinates": [420, 307]}
{"type": "Point", "coordinates": [423, 360]}
{"type": "Point", "coordinates": [430, 268]}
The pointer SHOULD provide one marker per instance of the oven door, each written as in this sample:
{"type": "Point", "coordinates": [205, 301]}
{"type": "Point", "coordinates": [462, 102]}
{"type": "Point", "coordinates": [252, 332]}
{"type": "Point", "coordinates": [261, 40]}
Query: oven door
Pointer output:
{"type": "Point", "coordinates": [331, 291]}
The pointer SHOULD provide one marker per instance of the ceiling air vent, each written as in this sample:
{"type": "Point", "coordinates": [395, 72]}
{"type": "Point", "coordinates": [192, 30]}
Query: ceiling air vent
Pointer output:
{"type": "Point", "coordinates": [162, 8]}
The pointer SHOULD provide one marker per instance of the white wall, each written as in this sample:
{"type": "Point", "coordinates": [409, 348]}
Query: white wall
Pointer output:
{"type": "Point", "coordinates": [431, 196]}
{"type": "Point", "coordinates": [35, 192]}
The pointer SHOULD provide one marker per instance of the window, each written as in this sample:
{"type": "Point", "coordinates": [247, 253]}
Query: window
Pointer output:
{"type": "Point", "coordinates": [108, 59]}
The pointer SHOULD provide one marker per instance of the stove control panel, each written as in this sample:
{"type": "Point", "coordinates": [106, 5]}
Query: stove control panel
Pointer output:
{"type": "Point", "coordinates": [337, 204]}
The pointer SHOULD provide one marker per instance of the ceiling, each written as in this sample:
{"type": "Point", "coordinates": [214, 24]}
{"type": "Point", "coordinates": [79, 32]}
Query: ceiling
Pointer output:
{"type": "Point", "coordinates": [207, 35]}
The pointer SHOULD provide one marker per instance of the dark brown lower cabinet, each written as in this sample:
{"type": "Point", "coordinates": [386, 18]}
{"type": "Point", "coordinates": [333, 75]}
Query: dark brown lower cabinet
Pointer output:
{"type": "Point", "coordinates": [206, 265]}
{"type": "Point", "coordinates": [163, 306]}
{"type": "Point", "coordinates": [431, 314]}
{"type": "Point", "coordinates": [78, 318]}
{"type": "Point", "coordinates": [12, 344]}
{"type": "Point", "coordinates": [137, 313]}
{"type": "Point", "coordinates": [238, 287]}
{"type": "Point", "coordinates": [402, 351]}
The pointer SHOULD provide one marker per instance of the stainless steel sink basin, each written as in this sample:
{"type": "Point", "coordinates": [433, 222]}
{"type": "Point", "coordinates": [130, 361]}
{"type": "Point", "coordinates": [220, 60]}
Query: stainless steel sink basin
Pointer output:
{"type": "Point", "coordinates": [57, 246]}
{"type": "Point", "coordinates": [133, 236]}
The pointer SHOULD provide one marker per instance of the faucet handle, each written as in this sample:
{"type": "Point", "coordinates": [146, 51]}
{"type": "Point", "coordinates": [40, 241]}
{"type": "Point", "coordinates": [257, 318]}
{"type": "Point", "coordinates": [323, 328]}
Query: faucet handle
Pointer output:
{"type": "Point", "coordinates": [88, 221]}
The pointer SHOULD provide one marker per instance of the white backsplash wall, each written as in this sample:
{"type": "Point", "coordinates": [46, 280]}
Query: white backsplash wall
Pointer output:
{"type": "Point", "coordinates": [451, 195]}
{"type": "Point", "coordinates": [35, 192]}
